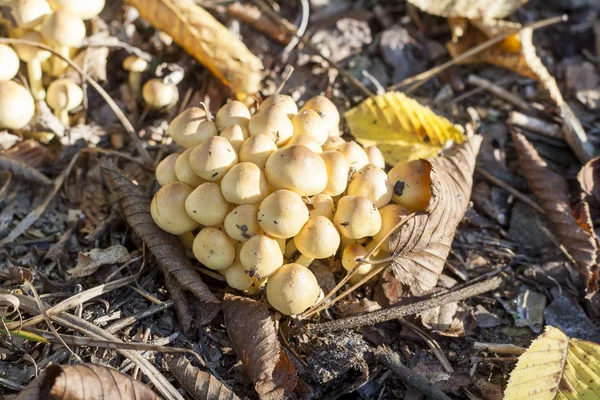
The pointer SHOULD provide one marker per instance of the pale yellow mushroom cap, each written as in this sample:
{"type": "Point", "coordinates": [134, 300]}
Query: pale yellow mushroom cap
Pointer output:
{"type": "Point", "coordinates": [133, 63]}
{"type": "Point", "coordinates": [371, 182]}
{"type": "Point", "coordinates": [327, 110]}
{"type": "Point", "coordinates": [375, 156]}
{"type": "Point", "coordinates": [158, 94]}
{"type": "Point", "coordinates": [9, 65]}
{"type": "Point", "coordinates": [207, 206]}
{"type": "Point", "coordinates": [411, 183]}
{"type": "Point", "coordinates": [213, 248]}
{"type": "Point", "coordinates": [333, 142]}
{"type": "Point", "coordinates": [191, 128]}
{"type": "Point", "coordinates": [310, 123]}
{"type": "Point", "coordinates": [237, 277]}
{"type": "Point", "coordinates": [284, 102]}
{"type": "Point", "coordinates": [165, 170]}
{"type": "Point", "coordinates": [29, 13]}
{"type": "Point", "coordinates": [236, 135]}
{"type": "Point", "coordinates": [391, 215]}
{"type": "Point", "coordinates": [168, 210]}
{"type": "Point", "coordinates": [282, 214]}
{"type": "Point", "coordinates": [63, 29]}
{"type": "Point", "coordinates": [242, 223]}
{"type": "Point", "coordinates": [356, 156]}
{"type": "Point", "coordinates": [357, 217]}
{"type": "Point", "coordinates": [257, 149]}
{"type": "Point", "coordinates": [304, 140]}
{"type": "Point", "coordinates": [292, 289]}
{"type": "Point", "coordinates": [232, 113]}
{"type": "Point", "coordinates": [84, 9]}
{"type": "Point", "coordinates": [261, 256]}
{"type": "Point", "coordinates": [353, 252]}
{"type": "Point", "coordinates": [16, 105]}
{"type": "Point", "coordinates": [321, 204]}
{"type": "Point", "coordinates": [29, 53]}
{"type": "Point", "coordinates": [244, 183]}
{"type": "Point", "coordinates": [338, 170]}
{"type": "Point", "coordinates": [64, 95]}
{"type": "Point", "coordinates": [274, 123]}
{"type": "Point", "coordinates": [297, 168]}
{"type": "Point", "coordinates": [318, 238]}
{"type": "Point", "coordinates": [213, 158]}
{"type": "Point", "coordinates": [184, 172]}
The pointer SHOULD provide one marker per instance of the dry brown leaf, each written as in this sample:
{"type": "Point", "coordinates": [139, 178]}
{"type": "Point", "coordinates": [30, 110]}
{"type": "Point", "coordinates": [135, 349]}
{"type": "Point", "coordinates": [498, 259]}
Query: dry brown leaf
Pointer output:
{"type": "Point", "coordinates": [423, 243]}
{"type": "Point", "coordinates": [89, 262]}
{"type": "Point", "coordinates": [199, 384]}
{"type": "Point", "coordinates": [552, 192]}
{"type": "Point", "coordinates": [589, 179]}
{"type": "Point", "coordinates": [29, 152]}
{"type": "Point", "coordinates": [85, 382]}
{"type": "Point", "coordinates": [469, 8]}
{"type": "Point", "coordinates": [254, 338]}
{"type": "Point", "coordinates": [20, 170]}
{"type": "Point", "coordinates": [93, 61]}
{"type": "Point", "coordinates": [205, 38]}
{"type": "Point", "coordinates": [180, 276]}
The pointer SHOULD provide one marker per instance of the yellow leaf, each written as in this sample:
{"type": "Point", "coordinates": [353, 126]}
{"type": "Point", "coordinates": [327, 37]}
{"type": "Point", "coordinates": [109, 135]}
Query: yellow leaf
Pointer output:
{"type": "Point", "coordinates": [556, 367]}
{"type": "Point", "coordinates": [207, 40]}
{"type": "Point", "coordinates": [402, 128]}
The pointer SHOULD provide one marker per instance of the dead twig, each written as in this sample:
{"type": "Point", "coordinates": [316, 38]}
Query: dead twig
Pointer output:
{"type": "Point", "coordinates": [499, 348]}
{"type": "Point", "coordinates": [535, 125]}
{"type": "Point", "coordinates": [500, 92]}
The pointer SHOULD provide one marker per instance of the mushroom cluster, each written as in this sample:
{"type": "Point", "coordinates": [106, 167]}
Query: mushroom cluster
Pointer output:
{"type": "Point", "coordinates": [259, 197]}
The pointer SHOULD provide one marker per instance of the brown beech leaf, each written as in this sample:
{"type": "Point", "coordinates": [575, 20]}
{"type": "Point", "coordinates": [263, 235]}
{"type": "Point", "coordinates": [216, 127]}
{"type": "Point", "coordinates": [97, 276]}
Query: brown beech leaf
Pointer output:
{"type": "Point", "coordinates": [89, 262]}
{"type": "Point", "coordinates": [469, 8]}
{"type": "Point", "coordinates": [85, 382]}
{"type": "Point", "coordinates": [589, 179]}
{"type": "Point", "coordinates": [253, 336]}
{"type": "Point", "coordinates": [551, 190]}
{"type": "Point", "coordinates": [199, 384]}
{"type": "Point", "coordinates": [21, 170]}
{"type": "Point", "coordinates": [422, 244]}
{"type": "Point", "coordinates": [205, 38]}
{"type": "Point", "coordinates": [180, 276]}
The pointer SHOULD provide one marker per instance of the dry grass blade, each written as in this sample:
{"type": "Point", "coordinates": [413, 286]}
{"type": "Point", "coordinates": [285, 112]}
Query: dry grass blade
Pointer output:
{"type": "Point", "coordinates": [205, 38]}
{"type": "Point", "coordinates": [85, 382]}
{"type": "Point", "coordinates": [572, 129]}
{"type": "Point", "coordinates": [254, 338]}
{"type": "Point", "coordinates": [180, 276]}
{"type": "Point", "coordinates": [21, 170]}
{"type": "Point", "coordinates": [199, 384]}
{"type": "Point", "coordinates": [551, 191]}
{"type": "Point", "coordinates": [5, 179]}
{"type": "Point", "coordinates": [589, 179]}
{"type": "Point", "coordinates": [421, 246]}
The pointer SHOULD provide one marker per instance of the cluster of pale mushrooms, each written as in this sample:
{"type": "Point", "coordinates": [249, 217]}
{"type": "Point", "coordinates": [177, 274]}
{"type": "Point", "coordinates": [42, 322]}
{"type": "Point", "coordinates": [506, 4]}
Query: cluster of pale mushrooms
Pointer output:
{"type": "Point", "coordinates": [55, 23]}
{"type": "Point", "coordinates": [259, 197]}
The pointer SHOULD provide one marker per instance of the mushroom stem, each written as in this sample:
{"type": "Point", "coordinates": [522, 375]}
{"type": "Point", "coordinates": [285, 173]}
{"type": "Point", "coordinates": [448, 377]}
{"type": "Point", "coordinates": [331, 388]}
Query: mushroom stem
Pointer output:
{"type": "Point", "coordinates": [304, 260]}
{"type": "Point", "coordinates": [58, 64]}
{"type": "Point", "coordinates": [63, 116]}
{"type": "Point", "coordinates": [34, 71]}
{"type": "Point", "coordinates": [290, 249]}
{"type": "Point", "coordinates": [135, 82]}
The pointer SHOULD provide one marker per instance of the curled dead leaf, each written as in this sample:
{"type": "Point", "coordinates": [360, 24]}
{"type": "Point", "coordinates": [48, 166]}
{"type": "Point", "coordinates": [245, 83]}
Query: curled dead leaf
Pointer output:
{"type": "Point", "coordinates": [420, 247]}
{"type": "Point", "coordinates": [551, 190]}
{"type": "Point", "coordinates": [469, 8]}
{"type": "Point", "coordinates": [253, 336]}
{"type": "Point", "coordinates": [21, 170]}
{"type": "Point", "coordinates": [89, 262]}
{"type": "Point", "coordinates": [589, 180]}
{"type": "Point", "coordinates": [85, 382]}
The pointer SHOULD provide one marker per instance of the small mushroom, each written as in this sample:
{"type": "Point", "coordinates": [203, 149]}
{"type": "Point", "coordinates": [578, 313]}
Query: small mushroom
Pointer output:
{"type": "Point", "coordinates": [261, 256]}
{"type": "Point", "coordinates": [411, 183]}
{"type": "Point", "coordinates": [191, 128]}
{"type": "Point", "coordinates": [322, 204]}
{"type": "Point", "coordinates": [84, 9]}
{"type": "Point", "coordinates": [282, 214]}
{"type": "Point", "coordinates": [310, 123]}
{"type": "Point", "coordinates": [63, 96]}
{"type": "Point", "coordinates": [237, 277]}
{"type": "Point", "coordinates": [30, 13]}
{"type": "Point", "coordinates": [357, 217]}
{"type": "Point", "coordinates": [168, 209]}
{"type": "Point", "coordinates": [307, 141]}
{"type": "Point", "coordinates": [184, 172]}
{"type": "Point", "coordinates": [318, 239]}
{"type": "Point", "coordinates": [375, 156]}
{"type": "Point", "coordinates": [284, 102]}
{"type": "Point", "coordinates": [350, 256]}
{"type": "Point", "coordinates": [257, 149]}
{"type": "Point", "coordinates": [356, 156]}
{"type": "Point", "coordinates": [10, 63]}
{"type": "Point", "coordinates": [16, 105]}
{"type": "Point", "coordinates": [232, 113]}
{"type": "Point", "coordinates": [165, 170]}
{"type": "Point", "coordinates": [391, 215]}
{"type": "Point", "coordinates": [242, 223]}
{"type": "Point", "coordinates": [236, 134]}
{"type": "Point", "coordinates": [371, 182]}
{"type": "Point", "coordinates": [187, 240]}
{"type": "Point", "coordinates": [213, 158]}
{"type": "Point", "coordinates": [33, 56]}
{"type": "Point", "coordinates": [333, 142]}
{"type": "Point", "coordinates": [292, 289]}
{"type": "Point", "coordinates": [327, 110]}
{"type": "Point", "coordinates": [213, 248]}
{"type": "Point", "coordinates": [337, 172]}
{"type": "Point", "coordinates": [158, 94]}
{"type": "Point", "coordinates": [206, 205]}
{"type": "Point", "coordinates": [297, 168]}
{"type": "Point", "coordinates": [62, 30]}
{"type": "Point", "coordinates": [244, 183]}
{"type": "Point", "coordinates": [274, 123]}
{"type": "Point", "coordinates": [135, 66]}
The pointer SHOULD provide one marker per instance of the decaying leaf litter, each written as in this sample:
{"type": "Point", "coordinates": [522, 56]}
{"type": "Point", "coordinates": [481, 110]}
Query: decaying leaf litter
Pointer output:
{"type": "Point", "coordinates": [505, 246]}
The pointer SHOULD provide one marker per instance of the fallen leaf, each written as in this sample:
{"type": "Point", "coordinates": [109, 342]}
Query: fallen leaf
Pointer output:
{"type": "Point", "coordinates": [180, 276]}
{"type": "Point", "coordinates": [420, 246]}
{"type": "Point", "coordinates": [402, 128]}
{"type": "Point", "coordinates": [439, 318]}
{"type": "Point", "coordinates": [205, 38]}
{"type": "Point", "coordinates": [254, 338]}
{"type": "Point", "coordinates": [589, 179]}
{"type": "Point", "coordinates": [556, 367]}
{"type": "Point", "coordinates": [552, 192]}
{"type": "Point", "coordinates": [89, 262]}
{"type": "Point", "coordinates": [93, 61]}
{"type": "Point", "coordinates": [85, 382]}
{"type": "Point", "coordinates": [469, 8]}
{"type": "Point", "coordinates": [29, 152]}
{"type": "Point", "coordinates": [199, 384]}
{"type": "Point", "coordinates": [21, 170]}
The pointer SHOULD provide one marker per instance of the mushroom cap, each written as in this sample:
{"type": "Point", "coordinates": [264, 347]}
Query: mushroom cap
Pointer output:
{"type": "Point", "coordinates": [242, 223]}
{"type": "Point", "coordinates": [273, 122]}
{"type": "Point", "coordinates": [168, 209]}
{"type": "Point", "coordinates": [257, 149]}
{"type": "Point", "coordinates": [232, 113]}
{"type": "Point", "coordinates": [84, 9]}
{"type": "Point", "coordinates": [391, 215]}
{"type": "Point", "coordinates": [63, 29]}
{"type": "Point", "coordinates": [165, 170]}
{"type": "Point", "coordinates": [158, 94]}
{"type": "Point", "coordinates": [236, 134]}
{"type": "Point", "coordinates": [29, 13]}
{"type": "Point", "coordinates": [29, 53]}
{"type": "Point", "coordinates": [411, 183]}
{"type": "Point", "coordinates": [349, 256]}
{"type": "Point", "coordinates": [356, 156]}
{"type": "Point", "coordinates": [322, 204]}
{"type": "Point", "coordinates": [310, 123]}
{"type": "Point", "coordinates": [187, 240]}
{"type": "Point", "coordinates": [191, 128]}
{"type": "Point", "coordinates": [357, 217]}
{"type": "Point", "coordinates": [237, 277]}
{"type": "Point", "coordinates": [133, 63]}
{"type": "Point", "coordinates": [297, 168]}
{"type": "Point", "coordinates": [284, 102]}
{"type": "Point", "coordinates": [292, 289]}
{"type": "Point", "coordinates": [333, 142]}
{"type": "Point", "coordinates": [261, 256]}
{"type": "Point", "coordinates": [318, 238]}
{"type": "Point", "coordinates": [327, 110]}
{"type": "Point", "coordinates": [213, 158]}
{"type": "Point", "coordinates": [375, 156]}
{"type": "Point", "coordinates": [64, 94]}
{"type": "Point", "coordinates": [338, 170]}
{"type": "Point", "coordinates": [184, 172]}
{"type": "Point", "coordinates": [371, 182]}
{"type": "Point", "coordinates": [16, 105]}
{"type": "Point", "coordinates": [304, 140]}
{"type": "Point", "coordinates": [282, 214]}
{"type": "Point", "coordinates": [213, 248]}
{"type": "Point", "coordinates": [244, 183]}
{"type": "Point", "coordinates": [206, 205]}
{"type": "Point", "coordinates": [10, 63]}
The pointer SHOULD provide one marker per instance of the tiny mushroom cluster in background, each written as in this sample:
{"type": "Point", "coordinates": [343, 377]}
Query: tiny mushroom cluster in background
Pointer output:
{"type": "Point", "coordinates": [259, 197]}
